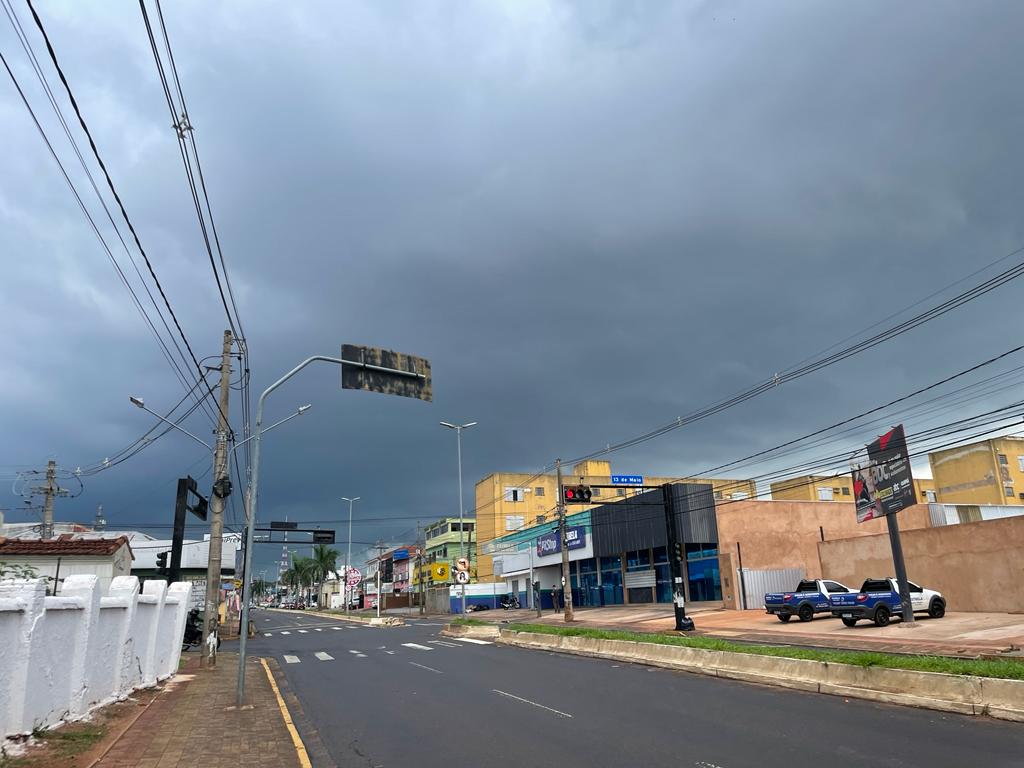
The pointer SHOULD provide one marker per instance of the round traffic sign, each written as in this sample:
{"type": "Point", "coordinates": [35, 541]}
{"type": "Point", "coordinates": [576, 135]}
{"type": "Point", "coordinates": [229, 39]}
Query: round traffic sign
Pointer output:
{"type": "Point", "coordinates": [462, 577]}
{"type": "Point", "coordinates": [354, 577]}
{"type": "Point", "coordinates": [462, 564]}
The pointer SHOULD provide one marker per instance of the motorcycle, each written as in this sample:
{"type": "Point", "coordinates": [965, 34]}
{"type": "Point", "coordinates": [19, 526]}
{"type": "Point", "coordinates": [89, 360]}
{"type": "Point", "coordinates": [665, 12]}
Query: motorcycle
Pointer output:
{"type": "Point", "coordinates": [194, 632]}
{"type": "Point", "coordinates": [510, 602]}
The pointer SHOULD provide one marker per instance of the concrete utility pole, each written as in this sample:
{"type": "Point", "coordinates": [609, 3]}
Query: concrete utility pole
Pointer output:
{"type": "Point", "coordinates": [49, 491]}
{"type": "Point", "coordinates": [348, 552]}
{"type": "Point", "coordinates": [220, 473]}
{"type": "Point", "coordinates": [566, 581]}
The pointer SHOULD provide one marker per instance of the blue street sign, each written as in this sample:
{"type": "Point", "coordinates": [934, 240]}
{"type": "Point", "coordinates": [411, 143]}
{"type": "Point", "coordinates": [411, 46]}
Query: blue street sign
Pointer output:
{"type": "Point", "coordinates": [627, 479]}
{"type": "Point", "coordinates": [400, 554]}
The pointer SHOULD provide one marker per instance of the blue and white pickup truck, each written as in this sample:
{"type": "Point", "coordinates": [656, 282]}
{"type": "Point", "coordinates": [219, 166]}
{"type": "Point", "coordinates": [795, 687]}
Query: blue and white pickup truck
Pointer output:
{"type": "Point", "coordinates": [809, 597]}
{"type": "Point", "coordinates": [879, 600]}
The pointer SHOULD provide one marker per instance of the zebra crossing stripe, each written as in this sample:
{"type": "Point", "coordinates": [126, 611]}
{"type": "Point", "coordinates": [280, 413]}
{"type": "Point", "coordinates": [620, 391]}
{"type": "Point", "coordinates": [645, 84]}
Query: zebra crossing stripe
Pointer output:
{"type": "Point", "coordinates": [418, 647]}
{"type": "Point", "coordinates": [324, 656]}
{"type": "Point", "coordinates": [291, 659]}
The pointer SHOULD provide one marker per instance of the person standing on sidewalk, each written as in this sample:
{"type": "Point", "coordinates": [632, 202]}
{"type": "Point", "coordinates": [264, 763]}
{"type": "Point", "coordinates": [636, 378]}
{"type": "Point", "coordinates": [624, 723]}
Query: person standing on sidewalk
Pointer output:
{"type": "Point", "coordinates": [554, 597]}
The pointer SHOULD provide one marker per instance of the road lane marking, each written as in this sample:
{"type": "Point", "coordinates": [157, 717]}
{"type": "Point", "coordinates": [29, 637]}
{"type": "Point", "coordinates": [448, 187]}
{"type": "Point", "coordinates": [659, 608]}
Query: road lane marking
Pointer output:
{"type": "Point", "coordinates": [303, 631]}
{"type": "Point", "coordinates": [319, 629]}
{"type": "Point", "coordinates": [324, 656]}
{"type": "Point", "coordinates": [359, 654]}
{"type": "Point", "coordinates": [268, 634]}
{"type": "Point", "coordinates": [286, 632]}
{"type": "Point", "coordinates": [431, 669]}
{"type": "Point", "coordinates": [531, 703]}
{"type": "Point", "coordinates": [442, 642]}
{"type": "Point", "coordinates": [291, 659]}
{"type": "Point", "coordinates": [300, 748]}
{"type": "Point", "coordinates": [418, 647]}
{"type": "Point", "coordinates": [390, 653]}
{"type": "Point", "coordinates": [473, 640]}
{"type": "Point", "coordinates": [335, 627]}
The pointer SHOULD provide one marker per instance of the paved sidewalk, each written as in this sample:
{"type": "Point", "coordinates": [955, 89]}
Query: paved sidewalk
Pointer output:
{"type": "Point", "coordinates": [194, 723]}
{"type": "Point", "coordinates": [957, 634]}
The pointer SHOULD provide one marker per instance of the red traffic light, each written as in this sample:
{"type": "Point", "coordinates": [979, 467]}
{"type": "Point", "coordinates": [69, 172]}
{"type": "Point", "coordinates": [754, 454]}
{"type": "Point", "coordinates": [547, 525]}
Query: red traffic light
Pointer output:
{"type": "Point", "coordinates": [570, 493]}
{"type": "Point", "coordinates": [576, 494]}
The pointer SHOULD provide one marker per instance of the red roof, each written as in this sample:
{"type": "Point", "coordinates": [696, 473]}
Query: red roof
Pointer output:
{"type": "Point", "coordinates": [63, 545]}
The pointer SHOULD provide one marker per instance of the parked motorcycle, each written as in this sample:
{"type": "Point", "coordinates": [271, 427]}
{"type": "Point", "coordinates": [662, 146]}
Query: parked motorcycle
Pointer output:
{"type": "Point", "coordinates": [510, 602]}
{"type": "Point", "coordinates": [194, 631]}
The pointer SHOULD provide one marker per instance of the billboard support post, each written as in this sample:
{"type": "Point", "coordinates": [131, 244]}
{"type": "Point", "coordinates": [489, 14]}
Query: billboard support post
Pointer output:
{"type": "Point", "coordinates": [901, 569]}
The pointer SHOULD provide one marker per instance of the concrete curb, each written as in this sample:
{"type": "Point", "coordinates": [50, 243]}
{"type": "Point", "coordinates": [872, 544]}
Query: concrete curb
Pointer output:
{"type": "Point", "coordinates": [477, 632]}
{"type": "Point", "coordinates": [1002, 699]}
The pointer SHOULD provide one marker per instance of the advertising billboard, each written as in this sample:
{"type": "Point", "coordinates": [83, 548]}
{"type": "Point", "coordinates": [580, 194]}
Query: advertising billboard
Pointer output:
{"type": "Point", "coordinates": [885, 485]}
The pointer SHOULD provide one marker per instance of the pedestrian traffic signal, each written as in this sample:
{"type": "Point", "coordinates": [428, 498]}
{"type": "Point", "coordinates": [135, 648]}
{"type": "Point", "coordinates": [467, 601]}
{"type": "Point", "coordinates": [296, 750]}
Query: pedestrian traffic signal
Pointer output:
{"type": "Point", "coordinates": [576, 494]}
{"type": "Point", "coordinates": [161, 563]}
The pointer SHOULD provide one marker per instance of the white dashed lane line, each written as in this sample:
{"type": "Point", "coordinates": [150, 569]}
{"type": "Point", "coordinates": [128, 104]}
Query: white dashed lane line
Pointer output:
{"type": "Point", "coordinates": [418, 647]}
{"type": "Point", "coordinates": [473, 640]}
{"type": "Point", "coordinates": [324, 656]}
{"type": "Point", "coordinates": [291, 659]}
{"type": "Point", "coordinates": [358, 654]}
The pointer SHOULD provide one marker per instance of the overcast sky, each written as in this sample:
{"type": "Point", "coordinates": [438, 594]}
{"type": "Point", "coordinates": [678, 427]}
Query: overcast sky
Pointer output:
{"type": "Point", "coordinates": [591, 218]}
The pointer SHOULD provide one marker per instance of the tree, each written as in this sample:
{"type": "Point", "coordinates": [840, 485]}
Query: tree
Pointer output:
{"type": "Point", "coordinates": [324, 561]}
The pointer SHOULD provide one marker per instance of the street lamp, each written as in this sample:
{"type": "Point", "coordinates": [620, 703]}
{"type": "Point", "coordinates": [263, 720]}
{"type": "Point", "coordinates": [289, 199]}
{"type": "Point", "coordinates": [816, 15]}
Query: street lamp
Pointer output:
{"type": "Point", "coordinates": [462, 532]}
{"type": "Point", "coordinates": [348, 554]}
{"type": "Point", "coordinates": [139, 403]}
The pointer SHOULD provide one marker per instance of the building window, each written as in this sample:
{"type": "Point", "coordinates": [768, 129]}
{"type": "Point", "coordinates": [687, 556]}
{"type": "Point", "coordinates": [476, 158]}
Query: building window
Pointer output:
{"type": "Point", "coordinates": [538, 491]}
{"type": "Point", "coordinates": [718, 494]}
{"type": "Point", "coordinates": [595, 491]}
{"type": "Point", "coordinates": [836, 491]}
{"type": "Point", "coordinates": [1002, 459]}
{"type": "Point", "coordinates": [541, 519]}
{"type": "Point", "coordinates": [1020, 463]}
{"type": "Point", "coordinates": [738, 495]}
{"type": "Point", "coordinates": [824, 494]}
{"type": "Point", "coordinates": [513, 522]}
{"type": "Point", "coordinates": [620, 491]}
{"type": "Point", "coordinates": [846, 491]}
{"type": "Point", "coordinates": [930, 496]}
{"type": "Point", "coordinates": [1009, 491]}
{"type": "Point", "coordinates": [514, 494]}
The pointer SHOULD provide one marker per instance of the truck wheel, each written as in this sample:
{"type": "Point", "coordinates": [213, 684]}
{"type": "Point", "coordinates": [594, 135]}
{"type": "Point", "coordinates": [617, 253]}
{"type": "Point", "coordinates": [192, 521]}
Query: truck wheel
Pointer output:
{"type": "Point", "coordinates": [882, 616]}
{"type": "Point", "coordinates": [805, 612]}
{"type": "Point", "coordinates": [783, 617]}
{"type": "Point", "coordinates": [937, 609]}
{"type": "Point", "coordinates": [850, 622]}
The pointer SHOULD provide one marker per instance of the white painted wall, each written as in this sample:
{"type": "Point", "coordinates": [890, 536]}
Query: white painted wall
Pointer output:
{"type": "Point", "coordinates": [63, 656]}
{"type": "Point", "coordinates": [105, 567]}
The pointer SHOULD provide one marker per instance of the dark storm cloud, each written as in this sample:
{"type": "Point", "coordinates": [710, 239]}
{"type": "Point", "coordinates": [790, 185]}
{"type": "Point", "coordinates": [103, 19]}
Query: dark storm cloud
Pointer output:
{"type": "Point", "coordinates": [592, 218]}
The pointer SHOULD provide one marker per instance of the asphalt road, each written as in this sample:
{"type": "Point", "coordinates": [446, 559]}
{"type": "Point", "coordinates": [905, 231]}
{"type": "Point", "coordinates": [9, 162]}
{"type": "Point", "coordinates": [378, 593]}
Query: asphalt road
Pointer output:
{"type": "Point", "coordinates": [407, 696]}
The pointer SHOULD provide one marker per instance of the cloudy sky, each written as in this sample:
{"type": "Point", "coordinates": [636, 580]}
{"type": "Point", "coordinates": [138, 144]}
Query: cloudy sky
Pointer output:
{"type": "Point", "coordinates": [592, 218]}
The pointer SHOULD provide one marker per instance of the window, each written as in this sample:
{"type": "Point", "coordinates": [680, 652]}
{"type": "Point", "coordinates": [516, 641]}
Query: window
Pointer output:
{"type": "Point", "coordinates": [1020, 463]}
{"type": "Point", "coordinates": [514, 494]}
{"type": "Point", "coordinates": [620, 492]}
{"type": "Point", "coordinates": [912, 587]}
{"type": "Point", "coordinates": [513, 522]}
{"type": "Point", "coordinates": [1002, 459]}
{"type": "Point", "coordinates": [824, 494]}
{"type": "Point", "coordinates": [837, 491]}
{"type": "Point", "coordinates": [930, 496]}
{"type": "Point", "coordinates": [541, 519]}
{"type": "Point", "coordinates": [1009, 491]}
{"type": "Point", "coordinates": [538, 491]}
{"type": "Point", "coordinates": [835, 586]}
{"type": "Point", "coordinates": [718, 494]}
{"type": "Point", "coordinates": [595, 491]}
{"type": "Point", "coordinates": [846, 491]}
{"type": "Point", "coordinates": [738, 495]}
{"type": "Point", "coordinates": [807, 586]}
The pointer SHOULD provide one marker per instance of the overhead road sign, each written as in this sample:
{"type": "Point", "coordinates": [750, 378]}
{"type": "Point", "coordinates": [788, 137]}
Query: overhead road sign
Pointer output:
{"type": "Point", "coordinates": [283, 525]}
{"type": "Point", "coordinates": [400, 554]}
{"type": "Point", "coordinates": [323, 537]}
{"type": "Point", "coordinates": [627, 479]}
{"type": "Point", "coordinates": [381, 370]}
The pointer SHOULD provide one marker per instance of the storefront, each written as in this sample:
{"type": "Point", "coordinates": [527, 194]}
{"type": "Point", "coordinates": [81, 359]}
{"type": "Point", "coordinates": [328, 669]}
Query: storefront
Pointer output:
{"type": "Point", "coordinates": [618, 553]}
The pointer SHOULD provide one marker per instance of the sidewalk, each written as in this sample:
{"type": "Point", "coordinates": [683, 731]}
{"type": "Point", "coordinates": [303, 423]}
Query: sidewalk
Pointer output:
{"type": "Point", "coordinates": [957, 634]}
{"type": "Point", "coordinates": [194, 722]}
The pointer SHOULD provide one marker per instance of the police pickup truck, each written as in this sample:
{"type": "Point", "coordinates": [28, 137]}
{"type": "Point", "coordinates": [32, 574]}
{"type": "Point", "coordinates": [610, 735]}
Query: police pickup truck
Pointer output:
{"type": "Point", "coordinates": [809, 597]}
{"type": "Point", "coordinates": [879, 600]}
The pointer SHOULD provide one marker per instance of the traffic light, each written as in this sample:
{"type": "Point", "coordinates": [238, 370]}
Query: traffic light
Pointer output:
{"type": "Point", "coordinates": [681, 551]}
{"type": "Point", "coordinates": [161, 563]}
{"type": "Point", "coordinates": [576, 494]}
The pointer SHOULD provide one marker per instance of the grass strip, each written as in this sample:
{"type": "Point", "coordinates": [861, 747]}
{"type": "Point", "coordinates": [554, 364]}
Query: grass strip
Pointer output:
{"type": "Point", "coordinates": [474, 623]}
{"type": "Point", "coordinates": [1008, 670]}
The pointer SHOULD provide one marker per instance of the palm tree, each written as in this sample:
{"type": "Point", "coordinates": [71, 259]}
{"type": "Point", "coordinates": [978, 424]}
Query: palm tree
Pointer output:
{"type": "Point", "coordinates": [306, 574]}
{"type": "Point", "coordinates": [324, 561]}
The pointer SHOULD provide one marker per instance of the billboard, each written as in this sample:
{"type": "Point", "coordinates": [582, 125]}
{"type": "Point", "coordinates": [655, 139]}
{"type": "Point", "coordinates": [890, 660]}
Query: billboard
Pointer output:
{"type": "Point", "coordinates": [575, 536]}
{"type": "Point", "coordinates": [885, 485]}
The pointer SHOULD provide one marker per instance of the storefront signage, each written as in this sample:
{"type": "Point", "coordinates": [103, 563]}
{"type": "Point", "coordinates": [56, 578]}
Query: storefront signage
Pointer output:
{"type": "Point", "coordinates": [576, 538]}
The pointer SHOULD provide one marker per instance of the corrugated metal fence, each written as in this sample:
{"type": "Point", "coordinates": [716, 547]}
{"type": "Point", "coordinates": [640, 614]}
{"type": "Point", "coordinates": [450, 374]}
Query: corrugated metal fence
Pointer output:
{"type": "Point", "coordinates": [757, 583]}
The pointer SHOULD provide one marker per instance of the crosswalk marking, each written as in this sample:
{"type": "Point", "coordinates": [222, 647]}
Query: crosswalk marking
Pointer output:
{"type": "Point", "coordinates": [286, 632]}
{"type": "Point", "coordinates": [291, 659]}
{"type": "Point", "coordinates": [303, 631]}
{"type": "Point", "coordinates": [358, 654]}
{"type": "Point", "coordinates": [319, 629]}
{"type": "Point", "coordinates": [418, 647]}
{"type": "Point", "coordinates": [323, 656]}
{"type": "Point", "coordinates": [473, 640]}
{"type": "Point", "coordinates": [268, 634]}
{"type": "Point", "coordinates": [335, 627]}
{"type": "Point", "coordinates": [442, 642]}
{"type": "Point", "coordinates": [390, 653]}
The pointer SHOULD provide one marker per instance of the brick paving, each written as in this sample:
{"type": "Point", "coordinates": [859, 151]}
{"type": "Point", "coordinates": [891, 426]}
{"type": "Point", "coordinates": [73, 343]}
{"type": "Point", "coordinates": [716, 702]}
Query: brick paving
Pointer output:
{"type": "Point", "coordinates": [194, 723]}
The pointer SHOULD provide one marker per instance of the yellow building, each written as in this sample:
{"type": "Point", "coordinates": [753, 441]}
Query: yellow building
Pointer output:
{"type": "Point", "coordinates": [827, 488]}
{"type": "Point", "coordinates": [988, 472]}
{"type": "Point", "coordinates": [509, 501]}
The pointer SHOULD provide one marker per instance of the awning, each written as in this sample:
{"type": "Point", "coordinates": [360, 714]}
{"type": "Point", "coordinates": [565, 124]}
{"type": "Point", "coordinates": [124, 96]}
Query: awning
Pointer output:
{"type": "Point", "coordinates": [512, 574]}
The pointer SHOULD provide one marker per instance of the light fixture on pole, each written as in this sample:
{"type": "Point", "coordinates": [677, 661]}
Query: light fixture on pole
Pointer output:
{"type": "Point", "coordinates": [348, 553]}
{"type": "Point", "coordinates": [462, 533]}
{"type": "Point", "coordinates": [138, 402]}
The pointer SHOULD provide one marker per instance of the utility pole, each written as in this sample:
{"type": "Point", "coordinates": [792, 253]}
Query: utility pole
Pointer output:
{"type": "Point", "coordinates": [566, 581]}
{"type": "Point", "coordinates": [49, 491]}
{"type": "Point", "coordinates": [220, 492]}
{"type": "Point", "coordinates": [380, 551]}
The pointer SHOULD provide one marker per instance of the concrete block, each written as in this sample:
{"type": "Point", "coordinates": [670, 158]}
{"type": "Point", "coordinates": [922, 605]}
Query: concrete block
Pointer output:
{"type": "Point", "coordinates": [1003, 699]}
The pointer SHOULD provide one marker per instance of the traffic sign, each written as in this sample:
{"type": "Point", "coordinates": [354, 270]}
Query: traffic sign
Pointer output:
{"type": "Point", "coordinates": [462, 564]}
{"type": "Point", "coordinates": [440, 571]}
{"type": "Point", "coordinates": [627, 479]}
{"type": "Point", "coordinates": [462, 577]}
{"type": "Point", "coordinates": [354, 577]}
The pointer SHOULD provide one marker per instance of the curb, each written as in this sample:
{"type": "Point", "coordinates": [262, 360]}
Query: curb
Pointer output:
{"type": "Point", "coordinates": [998, 698]}
{"type": "Point", "coordinates": [478, 632]}
{"type": "Point", "coordinates": [383, 621]}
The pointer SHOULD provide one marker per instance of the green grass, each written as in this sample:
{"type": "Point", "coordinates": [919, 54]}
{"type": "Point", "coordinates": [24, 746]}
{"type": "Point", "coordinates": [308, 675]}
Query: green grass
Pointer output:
{"type": "Point", "coordinates": [1011, 670]}
{"type": "Point", "coordinates": [475, 623]}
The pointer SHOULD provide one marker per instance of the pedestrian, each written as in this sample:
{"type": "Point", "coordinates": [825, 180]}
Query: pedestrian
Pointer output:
{"type": "Point", "coordinates": [554, 597]}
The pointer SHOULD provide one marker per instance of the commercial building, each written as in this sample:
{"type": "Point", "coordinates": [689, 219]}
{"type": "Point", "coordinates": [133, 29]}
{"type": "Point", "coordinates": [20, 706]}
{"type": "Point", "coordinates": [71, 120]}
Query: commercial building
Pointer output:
{"type": "Point", "coordinates": [441, 541]}
{"type": "Point", "coordinates": [512, 501]}
{"type": "Point", "coordinates": [986, 472]}
{"type": "Point", "coordinates": [831, 488]}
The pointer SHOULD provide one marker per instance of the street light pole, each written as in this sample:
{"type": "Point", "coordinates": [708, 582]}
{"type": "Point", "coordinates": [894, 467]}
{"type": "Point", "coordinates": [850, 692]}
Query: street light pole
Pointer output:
{"type": "Point", "coordinates": [462, 527]}
{"type": "Point", "coordinates": [348, 553]}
